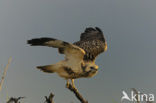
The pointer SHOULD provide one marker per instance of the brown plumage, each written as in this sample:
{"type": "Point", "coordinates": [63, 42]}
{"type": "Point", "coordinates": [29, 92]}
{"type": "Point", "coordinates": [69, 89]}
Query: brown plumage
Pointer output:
{"type": "Point", "coordinates": [79, 56]}
{"type": "Point", "coordinates": [92, 41]}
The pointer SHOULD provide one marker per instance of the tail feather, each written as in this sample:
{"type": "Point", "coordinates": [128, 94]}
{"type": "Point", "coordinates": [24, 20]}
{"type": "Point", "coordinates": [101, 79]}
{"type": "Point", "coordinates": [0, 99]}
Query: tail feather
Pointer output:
{"type": "Point", "coordinates": [47, 68]}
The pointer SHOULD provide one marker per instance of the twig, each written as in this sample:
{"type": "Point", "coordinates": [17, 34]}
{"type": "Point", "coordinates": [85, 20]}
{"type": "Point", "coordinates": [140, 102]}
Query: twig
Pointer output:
{"type": "Point", "coordinates": [15, 100]}
{"type": "Point", "coordinates": [77, 94]}
{"type": "Point", "coordinates": [4, 73]}
{"type": "Point", "coordinates": [136, 92]}
{"type": "Point", "coordinates": [50, 98]}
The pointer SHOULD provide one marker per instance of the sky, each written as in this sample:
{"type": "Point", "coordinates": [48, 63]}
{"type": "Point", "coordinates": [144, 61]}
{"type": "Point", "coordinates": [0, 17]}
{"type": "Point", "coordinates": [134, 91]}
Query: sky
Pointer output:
{"type": "Point", "coordinates": [130, 61]}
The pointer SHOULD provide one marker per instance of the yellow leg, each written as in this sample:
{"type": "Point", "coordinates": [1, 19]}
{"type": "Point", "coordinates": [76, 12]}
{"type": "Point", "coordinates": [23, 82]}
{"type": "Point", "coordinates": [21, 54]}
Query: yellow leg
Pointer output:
{"type": "Point", "coordinates": [67, 85]}
{"type": "Point", "coordinates": [72, 82]}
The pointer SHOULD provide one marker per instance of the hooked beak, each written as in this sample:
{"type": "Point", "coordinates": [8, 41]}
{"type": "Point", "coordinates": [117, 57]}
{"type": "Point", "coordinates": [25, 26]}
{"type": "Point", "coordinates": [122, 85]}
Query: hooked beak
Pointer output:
{"type": "Point", "coordinates": [93, 69]}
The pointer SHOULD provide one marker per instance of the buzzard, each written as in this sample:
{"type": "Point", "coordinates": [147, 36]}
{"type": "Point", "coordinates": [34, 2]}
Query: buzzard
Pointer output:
{"type": "Point", "coordinates": [80, 56]}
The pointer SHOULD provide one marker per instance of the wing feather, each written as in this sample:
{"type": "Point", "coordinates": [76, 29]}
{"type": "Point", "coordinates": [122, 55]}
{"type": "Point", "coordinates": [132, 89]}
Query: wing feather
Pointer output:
{"type": "Point", "coordinates": [92, 41]}
{"type": "Point", "coordinates": [70, 50]}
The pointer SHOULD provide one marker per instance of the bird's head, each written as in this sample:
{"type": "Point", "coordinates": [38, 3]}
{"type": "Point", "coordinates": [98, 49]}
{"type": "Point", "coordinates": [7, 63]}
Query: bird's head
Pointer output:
{"type": "Point", "coordinates": [90, 70]}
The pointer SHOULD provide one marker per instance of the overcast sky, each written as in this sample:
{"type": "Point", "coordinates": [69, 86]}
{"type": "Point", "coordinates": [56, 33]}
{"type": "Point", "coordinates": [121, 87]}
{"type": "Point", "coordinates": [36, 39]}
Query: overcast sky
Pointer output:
{"type": "Point", "coordinates": [130, 62]}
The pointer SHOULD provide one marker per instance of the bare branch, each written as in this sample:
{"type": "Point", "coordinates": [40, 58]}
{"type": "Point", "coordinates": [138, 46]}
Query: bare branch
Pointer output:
{"type": "Point", "coordinates": [77, 94]}
{"type": "Point", "coordinates": [15, 100]}
{"type": "Point", "coordinates": [50, 98]}
{"type": "Point", "coordinates": [4, 73]}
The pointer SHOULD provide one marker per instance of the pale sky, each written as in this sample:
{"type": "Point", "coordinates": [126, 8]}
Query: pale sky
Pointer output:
{"type": "Point", "coordinates": [130, 62]}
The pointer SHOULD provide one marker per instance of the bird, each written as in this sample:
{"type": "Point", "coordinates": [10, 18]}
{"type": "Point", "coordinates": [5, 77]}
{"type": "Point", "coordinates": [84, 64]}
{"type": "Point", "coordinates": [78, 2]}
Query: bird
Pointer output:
{"type": "Point", "coordinates": [79, 57]}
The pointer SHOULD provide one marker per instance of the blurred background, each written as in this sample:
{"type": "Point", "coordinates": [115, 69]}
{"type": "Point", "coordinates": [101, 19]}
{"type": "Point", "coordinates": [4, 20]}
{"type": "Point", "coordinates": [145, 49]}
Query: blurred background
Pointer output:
{"type": "Point", "coordinates": [130, 62]}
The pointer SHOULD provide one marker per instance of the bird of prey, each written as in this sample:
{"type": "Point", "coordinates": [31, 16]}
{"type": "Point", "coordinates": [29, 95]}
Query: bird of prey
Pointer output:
{"type": "Point", "coordinates": [80, 56]}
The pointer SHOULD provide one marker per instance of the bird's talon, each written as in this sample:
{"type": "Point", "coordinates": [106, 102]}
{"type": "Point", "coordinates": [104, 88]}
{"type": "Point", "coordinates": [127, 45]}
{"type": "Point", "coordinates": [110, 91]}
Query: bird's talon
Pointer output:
{"type": "Point", "coordinates": [67, 84]}
{"type": "Point", "coordinates": [73, 85]}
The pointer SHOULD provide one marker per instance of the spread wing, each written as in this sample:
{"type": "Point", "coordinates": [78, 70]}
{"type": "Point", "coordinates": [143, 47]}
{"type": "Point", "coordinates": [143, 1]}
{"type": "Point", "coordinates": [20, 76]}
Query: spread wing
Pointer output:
{"type": "Point", "coordinates": [92, 41]}
{"type": "Point", "coordinates": [70, 50]}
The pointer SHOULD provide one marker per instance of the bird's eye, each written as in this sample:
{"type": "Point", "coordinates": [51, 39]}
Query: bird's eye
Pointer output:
{"type": "Point", "coordinates": [92, 68]}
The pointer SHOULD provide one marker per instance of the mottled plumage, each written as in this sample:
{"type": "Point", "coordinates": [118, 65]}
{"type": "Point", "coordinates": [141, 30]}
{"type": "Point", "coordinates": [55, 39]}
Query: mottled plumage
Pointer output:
{"type": "Point", "coordinates": [79, 56]}
{"type": "Point", "coordinates": [92, 41]}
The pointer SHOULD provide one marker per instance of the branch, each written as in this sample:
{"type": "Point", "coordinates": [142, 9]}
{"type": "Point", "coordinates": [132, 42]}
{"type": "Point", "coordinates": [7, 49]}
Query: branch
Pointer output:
{"type": "Point", "coordinates": [50, 98]}
{"type": "Point", "coordinates": [15, 100]}
{"type": "Point", "coordinates": [77, 94]}
{"type": "Point", "coordinates": [4, 73]}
